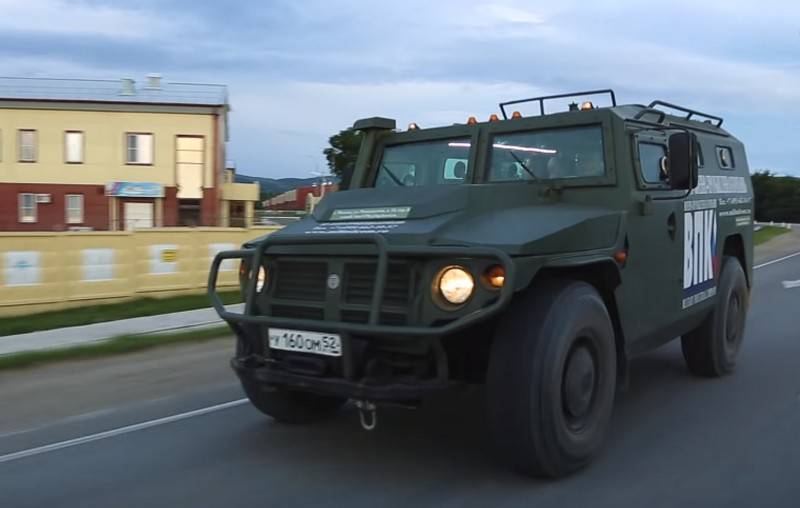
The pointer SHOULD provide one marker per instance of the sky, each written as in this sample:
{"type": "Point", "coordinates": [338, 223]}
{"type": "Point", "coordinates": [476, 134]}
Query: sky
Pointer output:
{"type": "Point", "coordinates": [299, 71]}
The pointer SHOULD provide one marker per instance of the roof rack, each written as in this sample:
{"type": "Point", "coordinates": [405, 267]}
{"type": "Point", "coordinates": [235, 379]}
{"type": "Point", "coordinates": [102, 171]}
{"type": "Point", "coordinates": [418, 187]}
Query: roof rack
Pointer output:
{"type": "Point", "coordinates": [689, 112]}
{"type": "Point", "coordinates": [543, 98]}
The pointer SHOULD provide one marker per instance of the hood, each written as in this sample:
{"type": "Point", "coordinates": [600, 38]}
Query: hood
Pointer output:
{"type": "Point", "coordinates": [514, 218]}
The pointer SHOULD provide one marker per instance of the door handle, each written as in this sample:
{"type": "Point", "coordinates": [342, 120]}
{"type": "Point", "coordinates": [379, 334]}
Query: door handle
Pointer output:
{"type": "Point", "coordinates": [671, 228]}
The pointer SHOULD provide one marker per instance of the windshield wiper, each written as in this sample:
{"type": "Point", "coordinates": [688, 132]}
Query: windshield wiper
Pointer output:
{"type": "Point", "coordinates": [522, 164]}
{"type": "Point", "coordinates": [392, 176]}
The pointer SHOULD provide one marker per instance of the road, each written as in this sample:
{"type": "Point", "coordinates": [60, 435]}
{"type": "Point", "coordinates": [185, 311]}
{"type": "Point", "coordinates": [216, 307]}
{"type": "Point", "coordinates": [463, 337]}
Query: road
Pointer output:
{"type": "Point", "coordinates": [676, 440]}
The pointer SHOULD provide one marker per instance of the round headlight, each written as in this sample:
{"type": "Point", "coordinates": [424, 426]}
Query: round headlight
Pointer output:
{"type": "Point", "coordinates": [455, 284]}
{"type": "Point", "coordinates": [262, 279]}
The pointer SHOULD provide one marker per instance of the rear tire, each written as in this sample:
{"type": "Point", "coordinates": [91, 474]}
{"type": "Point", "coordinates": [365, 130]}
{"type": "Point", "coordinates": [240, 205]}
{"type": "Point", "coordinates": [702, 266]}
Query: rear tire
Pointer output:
{"type": "Point", "coordinates": [289, 406]}
{"type": "Point", "coordinates": [710, 350]}
{"type": "Point", "coordinates": [552, 378]}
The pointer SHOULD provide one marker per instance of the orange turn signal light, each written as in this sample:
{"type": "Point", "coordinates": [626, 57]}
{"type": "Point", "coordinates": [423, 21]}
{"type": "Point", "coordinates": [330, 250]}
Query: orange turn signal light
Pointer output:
{"type": "Point", "coordinates": [621, 256]}
{"type": "Point", "coordinates": [496, 276]}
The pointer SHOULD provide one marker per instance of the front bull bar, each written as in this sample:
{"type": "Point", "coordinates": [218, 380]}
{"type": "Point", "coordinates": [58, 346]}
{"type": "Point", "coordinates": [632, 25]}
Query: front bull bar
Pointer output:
{"type": "Point", "coordinates": [384, 250]}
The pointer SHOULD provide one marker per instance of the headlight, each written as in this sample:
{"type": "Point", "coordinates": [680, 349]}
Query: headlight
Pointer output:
{"type": "Point", "coordinates": [262, 279]}
{"type": "Point", "coordinates": [455, 284]}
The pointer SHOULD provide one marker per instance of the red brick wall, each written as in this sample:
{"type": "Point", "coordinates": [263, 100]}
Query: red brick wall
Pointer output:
{"type": "Point", "coordinates": [209, 207]}
{"type": "Point", "coordinates": [52, 216]}
{"type": "Point", "coordinates": [170, 206]}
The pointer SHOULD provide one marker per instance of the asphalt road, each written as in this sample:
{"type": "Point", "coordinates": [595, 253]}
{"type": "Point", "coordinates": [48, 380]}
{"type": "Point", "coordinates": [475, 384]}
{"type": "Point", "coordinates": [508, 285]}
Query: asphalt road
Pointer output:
{"type": "Point", "coordinates": [676, 440]}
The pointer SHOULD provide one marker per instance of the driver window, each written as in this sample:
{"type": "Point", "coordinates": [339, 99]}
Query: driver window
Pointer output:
{"type": "Point", "coordinates": [652, 162]}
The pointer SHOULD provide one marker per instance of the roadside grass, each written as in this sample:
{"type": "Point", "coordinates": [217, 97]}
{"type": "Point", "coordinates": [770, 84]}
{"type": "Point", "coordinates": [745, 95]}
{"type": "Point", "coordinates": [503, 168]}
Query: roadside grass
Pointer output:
{"type": "Point", "coordinates": [114, 346]}
{"type": "Point", "coordinates": [109, 312]}
{"type": "Point", "coordinates": [767, 233]}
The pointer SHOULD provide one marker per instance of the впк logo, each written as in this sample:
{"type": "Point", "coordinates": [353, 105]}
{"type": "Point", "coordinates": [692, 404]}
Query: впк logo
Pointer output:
{"type": "Point", "coordinates": [699, 248]}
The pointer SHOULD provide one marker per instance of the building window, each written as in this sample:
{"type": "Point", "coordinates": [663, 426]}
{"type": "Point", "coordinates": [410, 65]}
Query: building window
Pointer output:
{"type": "Point", "coordinates": [190, 166]}
{"type": "Point", "coordinates": [27, 145]}
{"type": "Point", "coordinates": [139, 148]}
{"type": "Point", "coordinates": [74, 205]}
{"type": "Point", "coordinates": [73, 147]}
{"type": "Point", "coordinates": [27, 207]}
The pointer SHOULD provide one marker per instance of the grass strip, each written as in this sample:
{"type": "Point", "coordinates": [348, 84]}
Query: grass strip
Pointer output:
{"type": "Point", "coordinates": [113, 346]}
{"type": "Point", "coordinates": [767, 233]}
{"type": "Point", "coordinates": [139, 307]}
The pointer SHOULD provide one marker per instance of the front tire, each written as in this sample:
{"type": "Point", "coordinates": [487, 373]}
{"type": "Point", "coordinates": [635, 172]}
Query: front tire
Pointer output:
{"type": "Point", "coordinates": [552, 378]}
{"type": "Point", "coordinates": [291, 407]}
{"type": "Point", "coordinates": [710, 350]}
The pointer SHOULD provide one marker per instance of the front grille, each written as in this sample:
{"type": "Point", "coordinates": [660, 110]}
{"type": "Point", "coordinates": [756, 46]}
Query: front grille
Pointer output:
{"type": "Point", "coordinates": [362, 316]}
{"type": "Point", "coordinates": [299, 290]}
{"type": "Point", "coordinates": [298, 280]}
{"type": "Point", "coordinates": [290, 311]}
{"type": "Point", "coordinates": [360, 283]}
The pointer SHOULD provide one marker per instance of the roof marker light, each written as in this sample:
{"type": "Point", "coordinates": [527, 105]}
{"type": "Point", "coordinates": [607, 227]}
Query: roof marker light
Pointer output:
{"type": "Point", "coordinates": [516, 115]}
{"type": "Point", "coordinates": [587, 106]}
{"type": "Point", "coordinates": [494, 118]}
{"type": "Point", "coordinates": [472, 120]}
{"type": "Point", "coordinates": [413, 126]}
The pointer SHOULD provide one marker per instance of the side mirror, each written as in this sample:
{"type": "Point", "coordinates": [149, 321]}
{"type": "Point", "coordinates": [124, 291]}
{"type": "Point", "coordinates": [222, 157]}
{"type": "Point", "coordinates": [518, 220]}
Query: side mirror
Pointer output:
{"type": "Point", "coordinates": [683, 160]}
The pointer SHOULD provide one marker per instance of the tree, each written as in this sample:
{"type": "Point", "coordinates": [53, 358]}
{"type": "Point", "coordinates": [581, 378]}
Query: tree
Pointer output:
{"type": "Point", "coordinates": [777, 198]}
{"type": "Point", "coordinates": [342, 153]}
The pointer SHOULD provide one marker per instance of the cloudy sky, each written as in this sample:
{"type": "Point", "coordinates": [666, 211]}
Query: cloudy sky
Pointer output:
{"type": "Point", "coordinates": [301, 70]}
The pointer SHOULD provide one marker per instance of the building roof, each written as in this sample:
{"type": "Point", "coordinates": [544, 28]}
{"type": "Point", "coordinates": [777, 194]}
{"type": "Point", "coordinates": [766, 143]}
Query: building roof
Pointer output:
{"type": "Point", "coordinates": [151, 91]}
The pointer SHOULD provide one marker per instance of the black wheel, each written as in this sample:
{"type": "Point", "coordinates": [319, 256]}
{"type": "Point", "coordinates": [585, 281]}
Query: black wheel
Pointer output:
{"type": "Point", "coordinates": [711, 348]}
{"type": "Point", "coordinates": [289, 406]}
{"type": "Point", "coordinates": [552, 378]}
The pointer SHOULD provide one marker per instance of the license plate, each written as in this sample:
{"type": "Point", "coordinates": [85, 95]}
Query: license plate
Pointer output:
{"type": "Point", "coordinates": [328, 344]}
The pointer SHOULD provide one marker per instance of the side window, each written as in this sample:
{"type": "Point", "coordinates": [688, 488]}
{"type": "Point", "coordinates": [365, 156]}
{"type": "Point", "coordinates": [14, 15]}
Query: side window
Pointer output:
{"type": "Point", "coordinates": [725, 157]}
{"type": "Point", "coordinates": [652, 159]}
{"type": "Point", "coordinates": [455, 170]}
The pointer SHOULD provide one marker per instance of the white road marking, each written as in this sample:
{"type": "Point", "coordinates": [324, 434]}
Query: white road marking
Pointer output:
{"type": "Point", "coordinates": [789, 284]}
{"type": "Point", "coordinates": [784, 258]}
{"type": "Point", "coordinates": [118, 431]}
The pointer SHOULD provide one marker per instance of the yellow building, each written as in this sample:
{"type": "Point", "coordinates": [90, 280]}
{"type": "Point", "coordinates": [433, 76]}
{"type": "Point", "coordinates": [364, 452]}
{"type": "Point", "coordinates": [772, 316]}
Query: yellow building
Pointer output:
{"type": "Point", "coordinates": [112, 155]}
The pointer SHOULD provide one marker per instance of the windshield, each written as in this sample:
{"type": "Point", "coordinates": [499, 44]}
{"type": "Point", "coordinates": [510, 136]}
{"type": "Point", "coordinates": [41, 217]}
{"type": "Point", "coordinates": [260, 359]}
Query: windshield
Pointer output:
{"type": "Point", "coordinates": [547, 154]}
{"type": "Point", "coordinates": [439, 162]}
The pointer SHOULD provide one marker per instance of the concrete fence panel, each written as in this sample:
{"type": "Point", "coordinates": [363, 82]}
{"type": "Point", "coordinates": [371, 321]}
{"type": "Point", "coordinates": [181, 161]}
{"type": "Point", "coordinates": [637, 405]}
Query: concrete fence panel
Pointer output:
{"type": "Point", "coordinates": [49, 271]}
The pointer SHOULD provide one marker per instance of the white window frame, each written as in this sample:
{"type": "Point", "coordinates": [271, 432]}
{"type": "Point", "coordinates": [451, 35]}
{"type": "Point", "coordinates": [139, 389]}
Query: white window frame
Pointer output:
{"type": "Point", "coordinates": [78, 218]}
{"type": "Point", "coordinates": [33, 146]}
{"type": "Point", "coordinates": [70, 158]}
{"type": "Point", "coordinates": [141, 157]}
{"type": "Point", "coordinates": [27, 219]}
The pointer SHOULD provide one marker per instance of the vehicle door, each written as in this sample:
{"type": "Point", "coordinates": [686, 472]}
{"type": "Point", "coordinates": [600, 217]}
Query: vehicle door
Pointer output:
{"type": "Point", "coordinates": [653, 275]}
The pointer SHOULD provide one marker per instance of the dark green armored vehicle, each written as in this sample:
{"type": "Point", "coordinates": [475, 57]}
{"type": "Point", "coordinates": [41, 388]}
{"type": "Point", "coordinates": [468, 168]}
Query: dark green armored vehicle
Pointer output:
{"type": "Point", "coordinates": [534, 254]}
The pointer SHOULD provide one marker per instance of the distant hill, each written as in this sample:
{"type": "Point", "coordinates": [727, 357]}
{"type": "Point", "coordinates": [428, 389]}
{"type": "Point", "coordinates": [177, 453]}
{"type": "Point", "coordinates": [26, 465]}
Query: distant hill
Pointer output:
{"type": "Point", "coordinates": [276, 185]}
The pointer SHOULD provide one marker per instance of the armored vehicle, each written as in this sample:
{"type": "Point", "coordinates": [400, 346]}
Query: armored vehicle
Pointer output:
{"type": "Point", "coordinates": [534, 254]}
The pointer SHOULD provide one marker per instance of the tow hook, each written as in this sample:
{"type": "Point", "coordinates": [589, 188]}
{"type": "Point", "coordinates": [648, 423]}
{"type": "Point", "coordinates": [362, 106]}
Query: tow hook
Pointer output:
{"type": "Point", "coordinates": [367, 414]}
